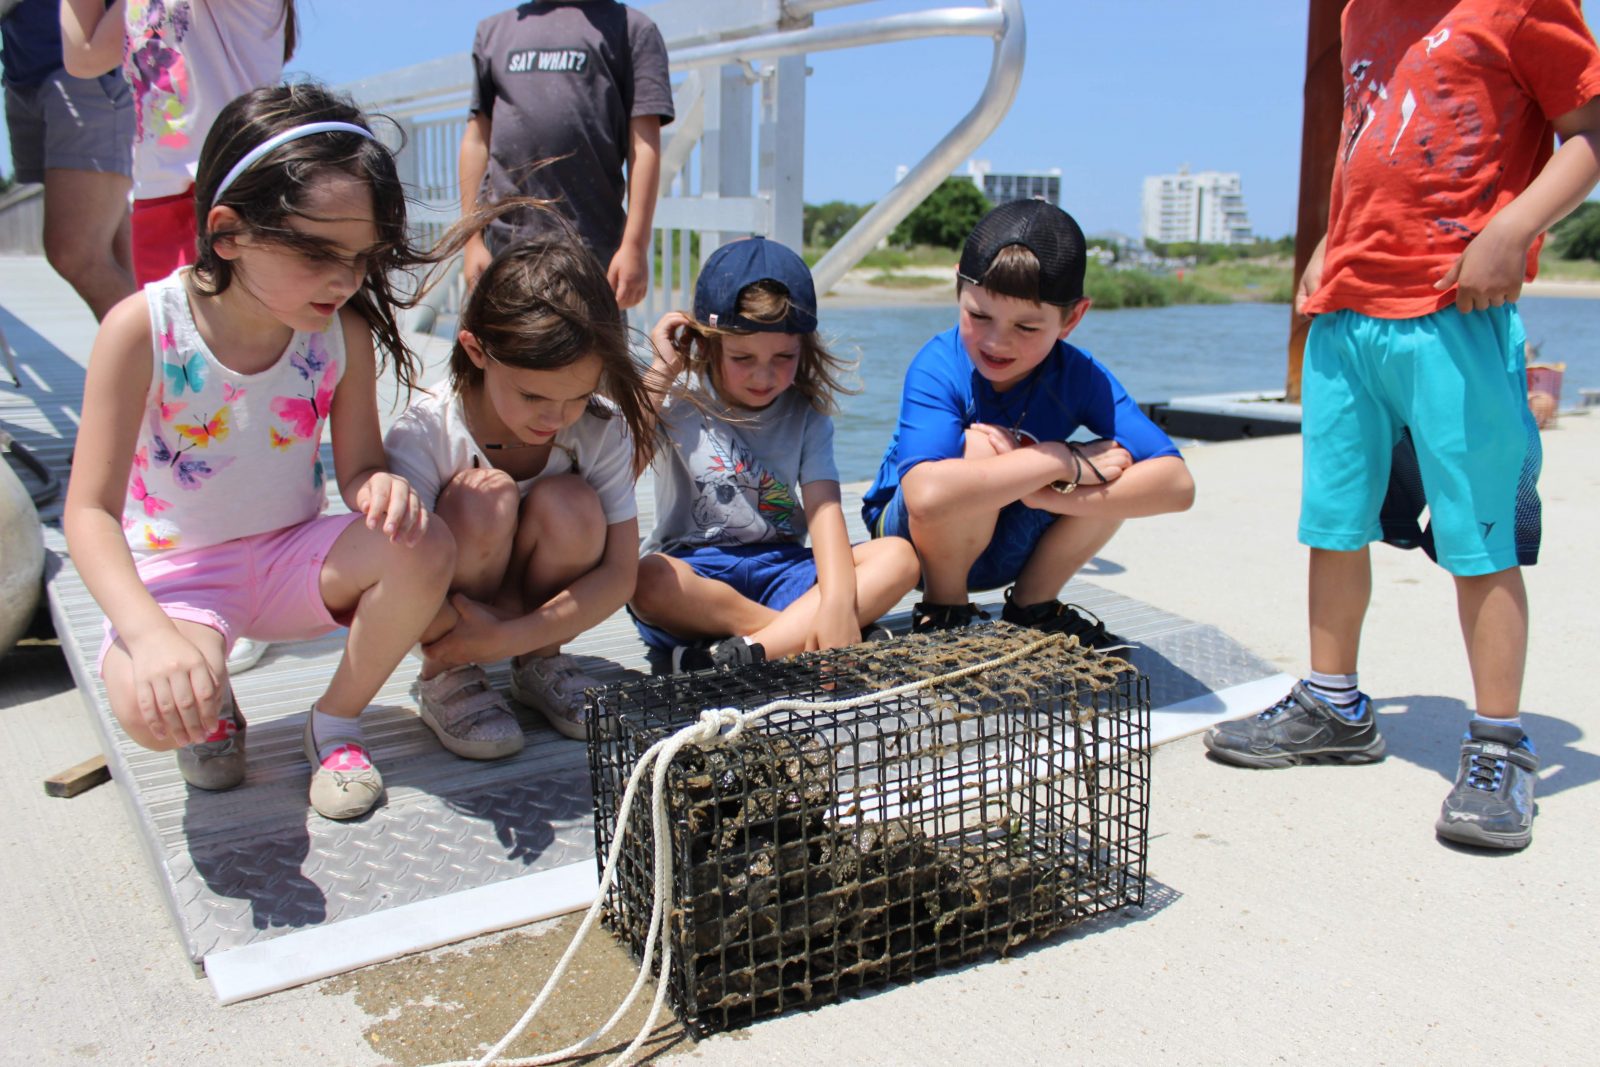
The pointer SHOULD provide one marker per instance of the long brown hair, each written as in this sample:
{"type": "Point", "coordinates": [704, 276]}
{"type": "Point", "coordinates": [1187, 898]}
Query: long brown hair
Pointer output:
{"type": "Point", "coordinates": [545, 303]}
{"type": "Point", "coordinates": [820, 376]}
{"type": "Point", "coordinates": [277, 186]}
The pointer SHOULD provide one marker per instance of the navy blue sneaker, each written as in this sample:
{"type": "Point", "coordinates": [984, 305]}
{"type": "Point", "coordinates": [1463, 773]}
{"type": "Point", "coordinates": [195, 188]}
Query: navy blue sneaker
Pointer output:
{"type": "Point", "coordinates": [1491, 804]}
{"type": "Point", "coordinates": [1300, 728]}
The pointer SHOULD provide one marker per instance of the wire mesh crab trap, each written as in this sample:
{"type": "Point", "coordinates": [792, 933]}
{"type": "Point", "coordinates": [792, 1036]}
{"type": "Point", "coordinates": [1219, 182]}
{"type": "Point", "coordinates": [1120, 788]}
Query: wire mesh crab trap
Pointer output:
{"type": "Point", "coordinates": [824, 851]}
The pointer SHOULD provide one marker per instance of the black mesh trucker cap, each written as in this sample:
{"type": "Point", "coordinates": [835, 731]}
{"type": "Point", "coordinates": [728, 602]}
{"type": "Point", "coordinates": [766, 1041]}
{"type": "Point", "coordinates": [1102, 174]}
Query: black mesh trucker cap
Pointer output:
{"type": "Point", "coordinates": [734, 266]}
{"type": "Point", "coordinates": [1044, 229]}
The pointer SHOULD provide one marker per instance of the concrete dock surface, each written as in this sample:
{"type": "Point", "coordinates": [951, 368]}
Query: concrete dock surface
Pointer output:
{"type": "Point", "coordinates": [1300, 916]}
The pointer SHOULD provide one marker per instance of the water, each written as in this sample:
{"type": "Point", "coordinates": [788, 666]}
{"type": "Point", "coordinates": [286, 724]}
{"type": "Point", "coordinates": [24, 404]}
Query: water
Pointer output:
{"type": "Point", "coordinates": [1157, 353]}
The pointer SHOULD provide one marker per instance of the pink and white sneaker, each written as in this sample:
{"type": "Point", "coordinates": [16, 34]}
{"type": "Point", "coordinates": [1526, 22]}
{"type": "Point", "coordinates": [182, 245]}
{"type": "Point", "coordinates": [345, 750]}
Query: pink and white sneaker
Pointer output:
{"type": "Point", "coordinates": [345, 785]}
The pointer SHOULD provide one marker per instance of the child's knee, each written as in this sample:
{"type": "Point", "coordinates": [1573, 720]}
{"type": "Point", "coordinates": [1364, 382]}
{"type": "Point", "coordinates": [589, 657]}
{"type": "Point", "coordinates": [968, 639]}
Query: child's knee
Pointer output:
{"type": "Point", "coordinates": [432, 559]}
{"type": "Point", "coordinates": [902, 558]}
{"type": "Point", "coordinates": [564, 508]}
{"type": "Point", "coordinates": [480, 506]}
{"type": "Point", "coordinates": [125, 707]}
{"type": "Point", "coordinates": [654, 585]}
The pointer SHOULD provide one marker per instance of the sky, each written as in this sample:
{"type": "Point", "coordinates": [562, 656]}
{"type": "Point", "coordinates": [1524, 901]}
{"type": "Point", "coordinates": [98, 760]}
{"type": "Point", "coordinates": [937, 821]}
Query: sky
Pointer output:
{"type": "Point", "coordinates": [1112, 91]}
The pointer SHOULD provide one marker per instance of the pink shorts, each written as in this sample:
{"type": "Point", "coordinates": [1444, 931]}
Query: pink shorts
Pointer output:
{"type": "Point", "coordinates": [266, 586]}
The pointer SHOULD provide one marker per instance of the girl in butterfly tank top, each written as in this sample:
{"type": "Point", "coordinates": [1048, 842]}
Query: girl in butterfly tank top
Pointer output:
{"type": "Point", "coordinates": [195, 507]}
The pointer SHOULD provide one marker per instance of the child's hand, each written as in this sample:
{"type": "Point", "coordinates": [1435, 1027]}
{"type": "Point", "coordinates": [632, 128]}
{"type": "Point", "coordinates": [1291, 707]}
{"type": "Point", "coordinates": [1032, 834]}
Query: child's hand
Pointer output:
{"type": "Point", "coordinates": [984, 439]}
{"type": "Point", "coordinates": [834, 628]}
{"type": "Point", "coordinates": [671, 341]}
{"type": "Point", "coordinates": [1109, 458]}
{"type": "Point", "coordinates": [627, 274]}
{"type": "Point", "coordinates": [475, 638]}
{"type": "Point", "coordinates": [177, 694]}
{"type": "Point", "coordinates": [387, 500]}
{"type": "Point", "coordinates": [475, 259]}
{"type": "Point", "coordinates": [1490, 272]}
{"type": "Point", "coordinates": [1311, 280]}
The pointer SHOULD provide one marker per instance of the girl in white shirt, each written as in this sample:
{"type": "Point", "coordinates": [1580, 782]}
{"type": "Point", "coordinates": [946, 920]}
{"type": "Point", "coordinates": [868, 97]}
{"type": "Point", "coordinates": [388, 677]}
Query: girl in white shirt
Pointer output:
{"type": "Point", "coordinates": [533, 472]}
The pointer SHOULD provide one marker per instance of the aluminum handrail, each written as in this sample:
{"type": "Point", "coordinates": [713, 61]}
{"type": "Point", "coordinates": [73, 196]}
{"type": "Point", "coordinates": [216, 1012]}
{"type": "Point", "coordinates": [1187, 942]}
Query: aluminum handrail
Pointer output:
{"type": "Point", "coordinates": [1005, 74]}
{"type": "Point", "coordinates": [914, 25]}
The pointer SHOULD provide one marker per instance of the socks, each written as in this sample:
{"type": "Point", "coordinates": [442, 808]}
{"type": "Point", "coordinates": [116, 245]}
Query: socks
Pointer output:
{"type": "Point", "coordinates": [1339, 691]}
{"type": "Point", "coordinates": [333, 732]}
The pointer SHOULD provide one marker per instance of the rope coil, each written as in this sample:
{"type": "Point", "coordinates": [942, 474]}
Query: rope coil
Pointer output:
{"type": "Point", "coordinates": [713, 727]}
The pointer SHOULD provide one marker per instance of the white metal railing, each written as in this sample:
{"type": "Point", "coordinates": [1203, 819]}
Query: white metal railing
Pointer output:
{"type": "Point", "coordinates": [733, 160]}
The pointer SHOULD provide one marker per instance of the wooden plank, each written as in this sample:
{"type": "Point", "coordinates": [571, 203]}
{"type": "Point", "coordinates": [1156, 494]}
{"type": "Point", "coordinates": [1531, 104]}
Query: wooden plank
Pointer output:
{"type": "Point", "coordinates": [78, 779]}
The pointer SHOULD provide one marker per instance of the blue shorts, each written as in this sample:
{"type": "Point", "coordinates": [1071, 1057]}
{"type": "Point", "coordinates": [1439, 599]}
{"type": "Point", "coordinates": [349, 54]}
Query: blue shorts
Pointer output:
{"type": "Point", "coordinates": [1458, 383]}
{"type": "Point", "coordinates": [774, 576]}
{"type": "Point", "coordinates": [1016, 534]}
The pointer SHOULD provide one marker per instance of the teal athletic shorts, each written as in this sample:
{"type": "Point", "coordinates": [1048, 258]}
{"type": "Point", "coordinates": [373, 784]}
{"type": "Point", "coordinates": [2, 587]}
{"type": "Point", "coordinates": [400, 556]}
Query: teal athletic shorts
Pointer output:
{"type": "Point", "coordinates": [1458, 383]}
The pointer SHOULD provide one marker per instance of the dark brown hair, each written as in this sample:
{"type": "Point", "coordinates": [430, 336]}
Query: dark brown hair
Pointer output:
{"type": "Point", "coordinates": [820, 374]}
{"type": "Point", "coordinates": [545, 303]}
{"type": "Point", "coordinates": [1014, 272]}
{"type": "Point", "coordinates": [277, 187]}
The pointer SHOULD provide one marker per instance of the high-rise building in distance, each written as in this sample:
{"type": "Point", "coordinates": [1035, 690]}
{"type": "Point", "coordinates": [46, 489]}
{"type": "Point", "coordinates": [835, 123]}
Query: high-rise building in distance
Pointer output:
{"type": "Point", "coordinates": [1207, 207]}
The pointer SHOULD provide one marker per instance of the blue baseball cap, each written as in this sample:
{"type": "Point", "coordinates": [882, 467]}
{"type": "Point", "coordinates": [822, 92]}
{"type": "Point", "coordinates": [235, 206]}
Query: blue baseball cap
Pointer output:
{"type": "Point", "coordinates": [740, 264]}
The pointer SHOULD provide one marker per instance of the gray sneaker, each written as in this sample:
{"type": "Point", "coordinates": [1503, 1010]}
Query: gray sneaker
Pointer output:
{"type": "Point", "coordinates": [467, 714]}
{"type": "Point", "coordinates": [1491, 804]}
{"type": "Point", "coordinates": [216, 765]}
{"type": "Point", "coordinates": [554, 685]}
{"type": "Point", "coordinates": [1298, 729]}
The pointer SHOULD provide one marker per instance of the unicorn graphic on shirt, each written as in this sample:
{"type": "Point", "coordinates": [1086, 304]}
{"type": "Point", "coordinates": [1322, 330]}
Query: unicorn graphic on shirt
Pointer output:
{"type": "Point", "coordinates": [739, 501]}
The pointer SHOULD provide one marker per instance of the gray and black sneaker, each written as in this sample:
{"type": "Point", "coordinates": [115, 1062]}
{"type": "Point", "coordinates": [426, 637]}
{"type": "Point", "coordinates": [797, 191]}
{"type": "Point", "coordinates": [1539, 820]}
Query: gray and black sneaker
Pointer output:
{"type": "Point", "coordinates": [704, 654]}
{"type": "Point", "coordinates": [1298, 729]}
{"type": "Point", "coordinates": [1491, 804]}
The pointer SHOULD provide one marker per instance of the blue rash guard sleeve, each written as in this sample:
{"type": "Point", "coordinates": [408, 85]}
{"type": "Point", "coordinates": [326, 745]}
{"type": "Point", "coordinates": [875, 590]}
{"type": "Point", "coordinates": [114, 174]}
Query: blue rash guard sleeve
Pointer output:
{"type": "Point", "coordinates": [934, 408]}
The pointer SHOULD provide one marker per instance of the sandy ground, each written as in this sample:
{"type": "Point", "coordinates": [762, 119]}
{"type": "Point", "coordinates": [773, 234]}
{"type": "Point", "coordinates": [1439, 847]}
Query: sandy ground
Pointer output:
{"type": "Point", "coordinates": [1571, 289]}
{"type": "Point", "coordinates": [856, 289]}
{"type": "Point", "coordinates": [1304, 916]}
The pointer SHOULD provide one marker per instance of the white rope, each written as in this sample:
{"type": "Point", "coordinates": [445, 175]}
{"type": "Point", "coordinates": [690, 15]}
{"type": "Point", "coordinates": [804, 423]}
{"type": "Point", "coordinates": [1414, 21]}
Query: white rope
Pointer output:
{"type": "Point", "coordinates": [715, 726]}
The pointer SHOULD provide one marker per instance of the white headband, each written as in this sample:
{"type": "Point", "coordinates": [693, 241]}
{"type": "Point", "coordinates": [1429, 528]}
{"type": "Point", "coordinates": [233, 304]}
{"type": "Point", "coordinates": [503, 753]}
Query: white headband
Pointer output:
{"type": "Point", "coordinates": [293, 134]}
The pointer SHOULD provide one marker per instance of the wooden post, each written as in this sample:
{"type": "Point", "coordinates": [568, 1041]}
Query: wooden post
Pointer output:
{"type": "Point", "coordinates": [1319, 141]}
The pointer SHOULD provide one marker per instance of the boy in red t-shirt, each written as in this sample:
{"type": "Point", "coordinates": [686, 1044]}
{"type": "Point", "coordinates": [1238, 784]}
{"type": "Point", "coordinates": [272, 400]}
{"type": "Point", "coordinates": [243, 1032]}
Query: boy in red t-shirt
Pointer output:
{"type": "Point", "coordinates": [1445, 182]}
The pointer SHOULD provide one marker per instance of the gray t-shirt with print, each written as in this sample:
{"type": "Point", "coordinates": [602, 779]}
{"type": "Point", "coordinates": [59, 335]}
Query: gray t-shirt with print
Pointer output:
{"type": "Point", "coordinates": [735, 479]}
{"type": "Point", "coordinates": [560, 82]}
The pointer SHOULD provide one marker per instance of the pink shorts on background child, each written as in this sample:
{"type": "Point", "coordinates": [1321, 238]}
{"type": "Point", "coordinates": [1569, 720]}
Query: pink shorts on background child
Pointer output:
{"type": "Point", "coordinates": [266, 586]}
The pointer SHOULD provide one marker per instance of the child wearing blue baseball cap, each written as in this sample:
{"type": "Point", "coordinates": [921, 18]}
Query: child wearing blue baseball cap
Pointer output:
{"type": "Point", "coordinates": [746, 473]}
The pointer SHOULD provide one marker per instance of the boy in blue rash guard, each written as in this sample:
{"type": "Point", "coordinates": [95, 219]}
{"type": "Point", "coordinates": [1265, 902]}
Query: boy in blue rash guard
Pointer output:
{"type": "Point", "coordinates": [982, 476]}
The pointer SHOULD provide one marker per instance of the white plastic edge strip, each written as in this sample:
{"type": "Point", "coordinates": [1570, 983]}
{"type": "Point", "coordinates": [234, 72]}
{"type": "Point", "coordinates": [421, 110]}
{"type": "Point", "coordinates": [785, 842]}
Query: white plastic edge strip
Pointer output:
{"type": "Point", "coordinates": [295, 959]}
{"type": "Point", "coordinates": [1195, 714]}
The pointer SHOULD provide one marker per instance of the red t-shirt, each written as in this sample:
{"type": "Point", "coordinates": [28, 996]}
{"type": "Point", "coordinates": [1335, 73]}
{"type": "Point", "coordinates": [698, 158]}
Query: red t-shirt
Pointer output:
{"type": "Point", "coordinates": [1447, 118]}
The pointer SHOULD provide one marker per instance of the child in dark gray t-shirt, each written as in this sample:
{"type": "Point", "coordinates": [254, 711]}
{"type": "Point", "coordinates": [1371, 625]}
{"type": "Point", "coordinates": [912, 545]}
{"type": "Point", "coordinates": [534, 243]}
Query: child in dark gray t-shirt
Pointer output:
{"type": "Point", "coordinates": [564, 96]}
